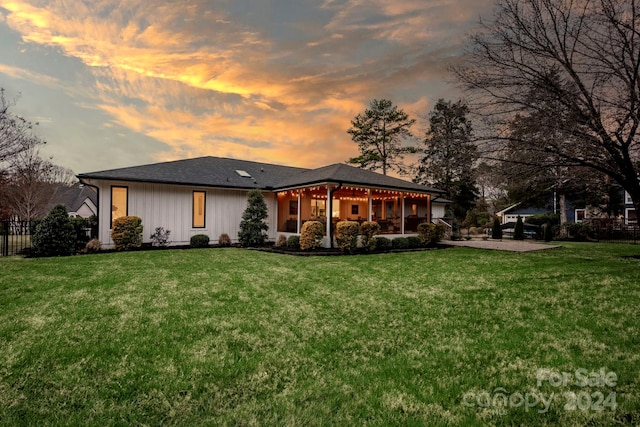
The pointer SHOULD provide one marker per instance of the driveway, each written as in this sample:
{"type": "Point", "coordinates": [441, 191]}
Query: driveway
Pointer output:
{"type": "Point", "coordinates": [502, 245]}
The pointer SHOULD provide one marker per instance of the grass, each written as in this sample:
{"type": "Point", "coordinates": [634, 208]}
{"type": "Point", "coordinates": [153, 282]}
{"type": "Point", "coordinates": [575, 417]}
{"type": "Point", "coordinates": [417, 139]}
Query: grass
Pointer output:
{"type": "Point", "coordinates": [236, 337]}
{"type": "Point", "coordinates": [16, 243]}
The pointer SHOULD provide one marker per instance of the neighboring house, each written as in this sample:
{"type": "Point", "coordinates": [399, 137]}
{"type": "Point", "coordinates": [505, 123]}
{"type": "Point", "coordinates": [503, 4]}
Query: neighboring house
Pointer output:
{"type": "Point", "coordinates": [208, 195]}
{"type": "Point", "coordinates": [630, 214]}
{"type": "Point", "coordinates": [439, 207]}
{"type": "Point", "coordinates": [575, 212]}
{"type": "Point", "coordinates": [511, 214]}
{"type": "Point", "coordinates": [80, 201]}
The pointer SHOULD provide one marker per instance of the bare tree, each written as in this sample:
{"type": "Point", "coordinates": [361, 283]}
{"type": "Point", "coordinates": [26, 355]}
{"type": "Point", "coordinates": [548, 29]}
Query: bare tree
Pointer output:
{"type": "Point", "coordinates": [581, 55]}
{"type": "Point", "coordinates": [33, 185]}
{"type": "Point", "coordinates": [16, 133]}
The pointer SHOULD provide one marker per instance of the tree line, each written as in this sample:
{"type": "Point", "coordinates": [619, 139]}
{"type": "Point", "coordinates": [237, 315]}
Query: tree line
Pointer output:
{"type": "Point", "coordinates": [554, 88]}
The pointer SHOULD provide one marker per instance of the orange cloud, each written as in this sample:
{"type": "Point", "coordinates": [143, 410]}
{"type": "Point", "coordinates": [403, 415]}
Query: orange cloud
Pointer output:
{"type": "Point", "coordinates": [203, 81]}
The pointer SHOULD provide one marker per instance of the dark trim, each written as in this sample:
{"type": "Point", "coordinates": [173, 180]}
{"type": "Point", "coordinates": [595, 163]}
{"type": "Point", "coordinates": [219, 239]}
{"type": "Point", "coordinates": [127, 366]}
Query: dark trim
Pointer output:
{"type": "Point", "coordinates": [183, 184]}
{"type": "Point", "coordinates": [111, 204]}
{"type": "Point", "coordinates": [426, 190]}
{"type": "Point", "coordinates": [98, 200]}
{"type": "Point", "coordinates": [193, 209]}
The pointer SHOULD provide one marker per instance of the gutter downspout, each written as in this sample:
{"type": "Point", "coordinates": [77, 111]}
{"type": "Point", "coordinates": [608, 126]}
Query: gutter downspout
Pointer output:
{"type": "Point", "coordinates": [97, 200]}
{"type": "Point", "coordinates": [330, 213]}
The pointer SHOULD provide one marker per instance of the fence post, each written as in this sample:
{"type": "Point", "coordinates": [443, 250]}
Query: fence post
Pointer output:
{"type": "Point", "coordinates": [4, 235]}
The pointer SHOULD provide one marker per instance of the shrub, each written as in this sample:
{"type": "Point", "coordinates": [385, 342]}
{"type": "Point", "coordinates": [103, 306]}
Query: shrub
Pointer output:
{"type": "Point", "coordinates": [383, 244]}
{"type": "Point", "coordinates": [92, 246]}
{"type": "Point", "coordinates": [224, 240]}
{"type": "Point", "coordinates": [293, 242]}
{"type": "Point", "coordinates": [160, 237]}
{"type": "Point", "coordinates": [127, 232]}
{"type": "Point", "coordinates": [430, 233]}
{"type": "Point", "coordinates": [54, 235]}
{"type": "Point", "coordinates": [548, 232]}
{"type": "Point", "coordinates": [282, 241]}
{"type": "Point", "coordinates": [368, 230]}
{"type": "Point", "coordinates": [80, 226]}
{"type": "Point", "coordinates": [199, 241]}
{"type": "Point", "coordinates": [579, 232]}
{"type": "Point", "coordinates": [518, 231]}
{"type": "Point", "coordinates": [414, 242]}
{"type": "Point", "coordinates": [311, 235]}
{"type": "Point", "coordinates": [347, 236]}
{"type": "Point", "coordinates": [400, 243]}
{"type": "Point", "coordinates": [496, 230]}
{"type": "Point", "coordinates": [541, 219]}
{"type": "Point", "coordinates": [253, 226]}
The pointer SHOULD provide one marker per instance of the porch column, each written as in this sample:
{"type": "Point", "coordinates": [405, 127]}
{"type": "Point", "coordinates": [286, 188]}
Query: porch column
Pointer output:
{"type": "Point", "coordinates": [429, 212]}
{"type": "Point", "coordinates": [299, 221]}
{"type": "Point", "coordinates": [370, 205]}
{"type": "Point", "coordinates": [402, 213]}
{"type": "Point", "coordinates": [329, 207]}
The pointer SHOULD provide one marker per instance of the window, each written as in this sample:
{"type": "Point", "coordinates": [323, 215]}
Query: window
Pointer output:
{"type": "Point", "coordinates": [335, 208]}
{"type": "Point", "coordinates": [318, 208]}
{"type": "Point", "coordinates": [580, 215]}
{"type": "Point", "coordinates": [119, 203]}
{"type": "Point", "coordinates": [199, 198]}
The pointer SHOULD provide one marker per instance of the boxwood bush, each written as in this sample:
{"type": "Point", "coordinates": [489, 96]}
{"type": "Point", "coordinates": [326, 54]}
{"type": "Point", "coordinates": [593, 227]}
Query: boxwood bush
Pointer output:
{"type": "Point", "coordinates": [347, 236]}
{"type": "Point", "coordinates": [293, 242]}
{"type": "Point", "coordinates": [368, 231]}
{"type": "Point", "coordinates": [414, 242]}
{"type": "Point", "coordinates": [383, 243]}
{"type": "Point", "coordinates": [431, 233]}
{"type": "Point", "coordinates": [199, 241]}
{"type": "Point", "coordinates": [55, 235]}
{"type": "Point", "coordinates": [311, 235]}
{"type": "Point", "coordinates": [400, 243]}
{"type": "Point", "coordinates": [126, 232]}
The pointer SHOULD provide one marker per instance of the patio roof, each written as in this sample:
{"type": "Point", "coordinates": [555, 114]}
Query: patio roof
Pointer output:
{"type": "Point", "coordinates": [345, 174]}
{"type": "Point", "coordinates": [242, 174]}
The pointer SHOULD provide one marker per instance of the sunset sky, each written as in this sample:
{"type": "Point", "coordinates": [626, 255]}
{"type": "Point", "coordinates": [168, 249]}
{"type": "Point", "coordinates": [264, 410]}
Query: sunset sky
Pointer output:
{"type": "Point", "coordinates": [121, 83]}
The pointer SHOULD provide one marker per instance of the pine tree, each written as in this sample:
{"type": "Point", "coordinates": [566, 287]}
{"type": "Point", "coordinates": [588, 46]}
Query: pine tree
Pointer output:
{"type": "Point", "coordinates": [379, 133]}
{"type": "Point", "coordinates": [496, 231]}
{"type": "Point", "coordinates": [518, 232]}
{"type": "Point", "coordinates": [448, 155]}
{"type": "Point", "coordinates": [253, 226]}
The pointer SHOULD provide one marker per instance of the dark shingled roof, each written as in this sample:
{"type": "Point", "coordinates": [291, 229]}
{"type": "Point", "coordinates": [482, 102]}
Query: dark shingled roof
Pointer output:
{"type": "Point", "coordinates": [346, 174]}
{"type": "Point", "coordinates": [74, 197]}
{"type": "Point", "coordinates": [221, 172]}
{"type": "Point", "coordinates": [202, 171]}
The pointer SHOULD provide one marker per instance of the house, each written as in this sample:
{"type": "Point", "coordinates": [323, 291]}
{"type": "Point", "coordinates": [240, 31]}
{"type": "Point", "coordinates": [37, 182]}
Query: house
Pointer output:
{"type": "Point", "coordinates": [576, 211]}
{"type": "Point", "coordinates": [510, 214]}
{"type": "Point", "coordinates": [630, 214]}
{"type": "Point", "coordinates": [80, 201]}
{"type": "Point", "coordinates": [207, 195]}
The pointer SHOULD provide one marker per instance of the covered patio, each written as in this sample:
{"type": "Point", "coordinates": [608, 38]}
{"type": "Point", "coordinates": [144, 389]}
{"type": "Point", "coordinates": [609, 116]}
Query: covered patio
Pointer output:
{"type": "Point", "coordinates": [397, 212]}
{"type": "Point", "coordinates": [340, 192]}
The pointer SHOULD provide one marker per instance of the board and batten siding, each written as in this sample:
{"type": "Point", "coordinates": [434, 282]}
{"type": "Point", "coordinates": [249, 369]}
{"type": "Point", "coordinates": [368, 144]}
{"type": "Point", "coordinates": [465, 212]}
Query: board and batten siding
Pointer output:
{"type": "Point", "coordinates": [438, 210]}
{"type": "Point", "coordinates": [170, 206]}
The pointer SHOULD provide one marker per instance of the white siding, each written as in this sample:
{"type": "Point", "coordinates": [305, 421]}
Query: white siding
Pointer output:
{"type": "Point", "coordinates": [438, 210]}
{"type": "Point", "coordinates": [170, 207]}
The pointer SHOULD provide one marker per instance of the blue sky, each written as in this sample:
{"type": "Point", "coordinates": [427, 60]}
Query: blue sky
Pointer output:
{"type": "Point", "coordinates": [121, 83]}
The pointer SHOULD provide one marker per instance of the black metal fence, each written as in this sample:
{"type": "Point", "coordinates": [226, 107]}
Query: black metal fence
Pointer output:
{"type": "Point", "coordinates": [15, 237]}
{"type": "Point", "coordinates": [622, 234]}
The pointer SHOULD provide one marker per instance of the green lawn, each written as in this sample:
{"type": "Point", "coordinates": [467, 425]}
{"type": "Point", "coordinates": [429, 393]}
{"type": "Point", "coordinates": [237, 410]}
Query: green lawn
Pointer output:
{"type": "Point", "coordinates": [228, 336]}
